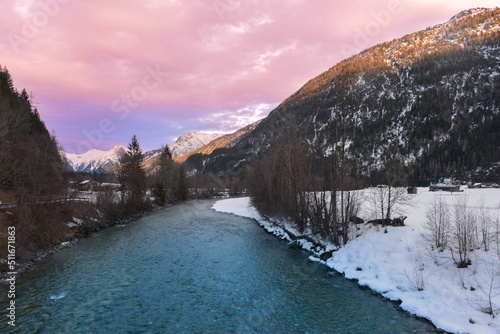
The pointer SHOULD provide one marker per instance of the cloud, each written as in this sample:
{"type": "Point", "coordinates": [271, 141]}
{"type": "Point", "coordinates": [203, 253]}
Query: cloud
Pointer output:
{"type": "Point", "coordinates": [230, 121]}
{"type": "Point", "coordinates": [224, 58]}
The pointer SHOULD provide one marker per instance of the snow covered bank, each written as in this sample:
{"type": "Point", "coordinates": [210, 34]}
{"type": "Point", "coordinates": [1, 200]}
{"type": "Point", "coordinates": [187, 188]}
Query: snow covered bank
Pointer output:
{"type": "Point", "coordinates": [401, 265]}
{"type": "Point", "coordinates": [242, 207]}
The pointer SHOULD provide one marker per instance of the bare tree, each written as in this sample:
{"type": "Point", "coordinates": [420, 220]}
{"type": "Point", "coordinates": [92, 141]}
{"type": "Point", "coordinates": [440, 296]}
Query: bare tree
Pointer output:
{"type": "Point", "coordinates": [279, 179]}
{"type": "Point", "coordinates": [388, 201]}
{"type": "Point", "coordinates": [415, 276]}
{"type": "Point", "coordinates": [488, 288]}
{"type": "Point", "coordinates": [497, 233]}
{"type": "Point", "coordinates": [335, 202]}
{"type": "Point", "coordinates": [462, 232]}
{"type": "Point", "coordinates": [390, 198]}
{"type": "Point", "coordinates": [438, 222]}
{"type": "Point", "coordinates": [485, 224]}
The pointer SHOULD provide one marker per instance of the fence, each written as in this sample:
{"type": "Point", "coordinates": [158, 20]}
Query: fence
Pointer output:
{"type": "Point", "coordinates": [4, 206]}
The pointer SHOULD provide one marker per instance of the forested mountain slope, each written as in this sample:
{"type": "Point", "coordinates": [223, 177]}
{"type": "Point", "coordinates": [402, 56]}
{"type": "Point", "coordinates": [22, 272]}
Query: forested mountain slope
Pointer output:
{"type": "Point", "coordinates": [30, 164]}
{"type": "Point", "coordinates": [430, 99]}
{"type": "Point", "coordinates": [221, 142]}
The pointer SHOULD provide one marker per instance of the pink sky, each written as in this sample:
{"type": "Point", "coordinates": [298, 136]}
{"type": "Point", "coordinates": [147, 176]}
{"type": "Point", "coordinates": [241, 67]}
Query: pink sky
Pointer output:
{"type": "Point", "coordinates": [102, 71]}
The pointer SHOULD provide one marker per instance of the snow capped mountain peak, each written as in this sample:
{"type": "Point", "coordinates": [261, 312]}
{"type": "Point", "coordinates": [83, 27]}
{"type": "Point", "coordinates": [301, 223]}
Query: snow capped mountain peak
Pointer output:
{"type": "Point", "coordinates": [191, 141]}
{"type": "Point", "coordinates": [118, 149]}
{"type": "Point", "coordinates": [96, 159]}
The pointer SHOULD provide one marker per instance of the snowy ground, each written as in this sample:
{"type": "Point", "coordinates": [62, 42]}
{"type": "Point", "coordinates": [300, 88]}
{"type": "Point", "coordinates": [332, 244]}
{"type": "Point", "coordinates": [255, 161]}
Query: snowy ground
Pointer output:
{"type": "Point", "coordinates": [399, 263]}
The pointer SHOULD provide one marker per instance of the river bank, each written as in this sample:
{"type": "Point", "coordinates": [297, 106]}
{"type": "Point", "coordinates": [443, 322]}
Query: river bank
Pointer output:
{"type": "Point", "coordinates": [76, 223]}
{"type": "Point", "coordinates": [394, 262]}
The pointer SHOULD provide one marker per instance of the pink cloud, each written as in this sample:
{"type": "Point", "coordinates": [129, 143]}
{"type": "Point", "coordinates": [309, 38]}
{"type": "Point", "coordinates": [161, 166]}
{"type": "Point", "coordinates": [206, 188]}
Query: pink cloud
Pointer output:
{"type": "Point", "coordinates": [221, 59]}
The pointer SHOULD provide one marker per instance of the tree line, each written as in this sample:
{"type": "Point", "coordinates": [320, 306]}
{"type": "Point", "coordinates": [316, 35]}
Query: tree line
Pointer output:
{"type": "Point", "coordinates": [33, 172]}
{"type": "Point", "coordinates": [316, 192]}
{"type": "Point", "coordinates": [167, 183]}
{"type": "Point", "coordinates": [31, 168]}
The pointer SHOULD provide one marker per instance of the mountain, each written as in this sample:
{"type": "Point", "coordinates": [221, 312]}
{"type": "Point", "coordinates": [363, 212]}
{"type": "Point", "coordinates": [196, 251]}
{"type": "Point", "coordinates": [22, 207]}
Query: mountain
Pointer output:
{"type": "Point", "coordinates": [106, 161]}
{"type": "Point", "coordinates": [221, 142]}
{"type": "Point", "coordinates": [182, 146]}
{"type": "Point", "coordinates": [430, 99]}
{"type": "Point", "coordinates": [30, 164]}
{"type": "Point", "coordinates": [190, 142]}
{"type": "Point", "coordinates": [96, 160]}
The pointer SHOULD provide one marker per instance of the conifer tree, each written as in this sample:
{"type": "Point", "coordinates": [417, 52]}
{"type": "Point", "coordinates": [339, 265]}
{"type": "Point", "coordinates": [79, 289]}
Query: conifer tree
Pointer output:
{"type": "Point", "coordinates": [166, 165]}
{"type": "Point", "coordinates": [131, 172]}
{"type": "Point", "coordinates": [181, 186]}
{"type": "Point", "coordinates": [164, 176]}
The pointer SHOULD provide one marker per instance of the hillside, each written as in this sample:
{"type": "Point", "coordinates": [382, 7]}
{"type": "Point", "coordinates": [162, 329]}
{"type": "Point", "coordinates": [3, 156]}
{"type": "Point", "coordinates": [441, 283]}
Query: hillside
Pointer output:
{"type": "Point", "coordinates": [430, 99]}
{"type": "Point", "coordinates": [31, 170]}
{"type": "Point", "coordinates": [190, 142]}
{"type": "Point", "coordinates": [30, 164]}
{"type": "Point", "coordinates": [221, 142]}
{"type": "Point", "coordinates": [182, 146]}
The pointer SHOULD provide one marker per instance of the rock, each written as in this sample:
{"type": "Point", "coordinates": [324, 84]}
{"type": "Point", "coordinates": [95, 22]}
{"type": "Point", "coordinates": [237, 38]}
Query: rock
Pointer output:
{"type": "Point", "coordinates": [399, 221]}
{"type": "Point", "coordinates": [389, 222]}
{"type": "Point", "coordinates": [383, 222]}
{"type": "Point", "coordinates": [326, 255]}
{"type": "Point", "coordinates": [356, 220]}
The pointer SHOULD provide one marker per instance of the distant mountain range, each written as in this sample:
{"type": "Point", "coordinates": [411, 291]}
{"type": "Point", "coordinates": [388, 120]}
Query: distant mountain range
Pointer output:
{"type": "Point", "coordinates": [191, 143]}
{"type": "Point", "coordinates": [183, 145]}
{"type": "Point", "coordinates": [430, 100]}
{"type": "Point", "coordinates": [95, 160]}
{"type": "Point", "coordinates": [106, 161]}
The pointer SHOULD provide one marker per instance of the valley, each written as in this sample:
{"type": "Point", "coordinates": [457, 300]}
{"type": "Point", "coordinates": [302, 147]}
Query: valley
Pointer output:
{"type": "Point", "coordinates": [384, 167]}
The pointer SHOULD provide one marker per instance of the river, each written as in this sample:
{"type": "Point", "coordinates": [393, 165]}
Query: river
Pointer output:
{"type": "Point", "coordinates": [189, 269]}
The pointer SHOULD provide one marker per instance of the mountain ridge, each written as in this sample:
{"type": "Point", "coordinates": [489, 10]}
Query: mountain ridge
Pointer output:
{"type": "Point", "coordinates": [95, 160]}
{"type": "Point", "coordinates": [191, 141]}
{"type": "Point", "coordinates": [221, 142]}
{"type": "Point", "coordinates": [106, 161]}
{"type": "Point", "coordinates": [467, 12]}
{"type": "Point", "coordinates": [419, 98]}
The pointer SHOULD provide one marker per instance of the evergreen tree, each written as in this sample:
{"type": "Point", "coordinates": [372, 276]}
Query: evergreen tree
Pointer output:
{"type": "Point", "coordinates": [166, 165]}
{"type": "Point", "coordinates": [30, 164]}
{"type": "Point", "coordinates": [31, 170]}
{"type": "Point", "coordinates": [166, 154]}
{"type": "Point", "coordinates": [131, 172]}
{"type": "Point", "coordinates": [160, 194]}
{"type": "Point", "coordinates": [181, 186]}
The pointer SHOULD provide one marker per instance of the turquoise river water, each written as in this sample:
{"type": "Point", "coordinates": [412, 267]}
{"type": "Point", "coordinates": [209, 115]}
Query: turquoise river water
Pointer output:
{"type": "Point", "coordinates": [189, 269]}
